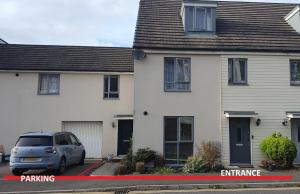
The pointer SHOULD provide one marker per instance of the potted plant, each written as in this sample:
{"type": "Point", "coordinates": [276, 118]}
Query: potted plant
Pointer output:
{"type": "Point", "coordinates": [269, 165]}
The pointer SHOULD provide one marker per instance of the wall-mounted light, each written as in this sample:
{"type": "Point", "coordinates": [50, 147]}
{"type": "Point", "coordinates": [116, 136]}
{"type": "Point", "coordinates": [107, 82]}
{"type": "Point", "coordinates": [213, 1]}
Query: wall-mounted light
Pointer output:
{"type": "Point", "coordinates": [258, 122]}
{"type": "Point", "coordinates": [285, 122]}
{"type": "Point", "coordinates": [113, 125]}
{"type": "Point", "coordinates": [145, 113]}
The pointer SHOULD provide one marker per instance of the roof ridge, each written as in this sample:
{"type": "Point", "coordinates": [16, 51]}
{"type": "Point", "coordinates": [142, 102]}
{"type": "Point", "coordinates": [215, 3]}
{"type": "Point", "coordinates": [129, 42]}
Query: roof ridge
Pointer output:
{"type": "Point", "coordinates": [71, 46]}
{"type": "Point", "coordinates": [248, 1]}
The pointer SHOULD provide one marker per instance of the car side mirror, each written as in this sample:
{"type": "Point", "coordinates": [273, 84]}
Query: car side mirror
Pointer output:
{"type": "Point", "coordinates": [79, 143]}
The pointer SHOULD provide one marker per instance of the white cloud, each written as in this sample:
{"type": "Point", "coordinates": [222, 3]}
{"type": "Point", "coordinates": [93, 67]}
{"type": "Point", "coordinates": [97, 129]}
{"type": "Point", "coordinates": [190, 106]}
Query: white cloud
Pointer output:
{"type": "Point", "coordinates": [109, 44]}
{"type": "Point", "coordinates": [72, 22]}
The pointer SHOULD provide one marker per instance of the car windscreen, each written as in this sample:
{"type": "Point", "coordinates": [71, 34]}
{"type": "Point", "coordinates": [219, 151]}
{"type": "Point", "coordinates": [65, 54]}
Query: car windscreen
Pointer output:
{"type": "Point", "coordinates": [29, 141]}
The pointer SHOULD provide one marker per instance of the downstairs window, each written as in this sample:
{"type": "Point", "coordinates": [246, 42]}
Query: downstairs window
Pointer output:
{"type": "Point", "coordinates": [178, 139]}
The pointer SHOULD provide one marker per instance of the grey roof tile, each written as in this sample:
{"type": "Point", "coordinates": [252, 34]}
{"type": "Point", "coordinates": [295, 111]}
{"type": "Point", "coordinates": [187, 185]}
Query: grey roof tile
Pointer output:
{"type": "Point", "coordinates": [65, 58]}
{"type": "Point", "coordinates": [242, 26]}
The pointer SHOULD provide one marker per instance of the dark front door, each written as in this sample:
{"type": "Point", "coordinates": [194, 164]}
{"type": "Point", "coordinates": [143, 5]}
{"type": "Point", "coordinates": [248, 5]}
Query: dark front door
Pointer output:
{"type": "Point", "coordinates": [239, 132]}
{"type": "Point", "coordinates": [296, 138]}
{"type": "Point", "coordinates": [124, 135]}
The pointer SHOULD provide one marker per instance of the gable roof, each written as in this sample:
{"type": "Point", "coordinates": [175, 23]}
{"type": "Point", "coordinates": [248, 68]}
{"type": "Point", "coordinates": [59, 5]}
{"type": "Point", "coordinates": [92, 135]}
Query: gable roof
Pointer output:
{"type": "Point", "coordinates": [240, 26]}
{"type": "Point", "coordinates": [2, 41]}
{"type": "Point", "coordinates": [65, 58]}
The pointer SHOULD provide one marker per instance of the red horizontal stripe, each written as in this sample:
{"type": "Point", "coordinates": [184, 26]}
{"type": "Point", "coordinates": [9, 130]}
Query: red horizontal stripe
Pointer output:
{"type": "Point", "coordinates": [90, 168]}
{"type": "Point", "coordinates": [169, 177]}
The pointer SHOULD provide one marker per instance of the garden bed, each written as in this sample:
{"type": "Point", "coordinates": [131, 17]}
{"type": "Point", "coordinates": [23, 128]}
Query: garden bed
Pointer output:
{"type": "Point", "coordinates": [148, 162]}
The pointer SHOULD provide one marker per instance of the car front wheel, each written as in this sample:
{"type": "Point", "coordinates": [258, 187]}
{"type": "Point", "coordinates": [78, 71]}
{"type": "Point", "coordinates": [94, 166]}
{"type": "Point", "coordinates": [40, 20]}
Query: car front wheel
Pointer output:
{"type": "Point", "coordinates": [81, 162]}
{"type": "Point", "coordinates": [17, 172]}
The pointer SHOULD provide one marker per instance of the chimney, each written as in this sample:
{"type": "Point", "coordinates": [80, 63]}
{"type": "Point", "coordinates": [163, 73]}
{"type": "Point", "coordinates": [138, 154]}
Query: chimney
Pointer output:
{"type": "Point", "coordinates": [293, 18]}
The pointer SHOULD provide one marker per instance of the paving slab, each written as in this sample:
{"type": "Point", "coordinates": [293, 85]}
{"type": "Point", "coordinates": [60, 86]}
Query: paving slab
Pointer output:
{"type": "Point", "coordinates": [107, 168]}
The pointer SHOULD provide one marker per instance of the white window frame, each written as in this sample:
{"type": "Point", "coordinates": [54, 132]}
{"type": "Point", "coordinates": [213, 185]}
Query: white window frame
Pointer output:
{"type": "Point", "coordinates": [48, 83]}
{"type": "Point", "coordinates": [111, 92]}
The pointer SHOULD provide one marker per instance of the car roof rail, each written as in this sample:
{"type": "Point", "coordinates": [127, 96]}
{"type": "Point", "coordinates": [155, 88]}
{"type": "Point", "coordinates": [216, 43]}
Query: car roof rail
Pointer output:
{"type": "Point", "coordinates": [30, 132]}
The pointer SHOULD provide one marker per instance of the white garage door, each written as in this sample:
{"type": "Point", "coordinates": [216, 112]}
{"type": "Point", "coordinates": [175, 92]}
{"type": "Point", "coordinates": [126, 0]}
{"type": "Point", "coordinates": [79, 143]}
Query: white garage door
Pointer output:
{"type": "Point", "coordinates": [90, 135]}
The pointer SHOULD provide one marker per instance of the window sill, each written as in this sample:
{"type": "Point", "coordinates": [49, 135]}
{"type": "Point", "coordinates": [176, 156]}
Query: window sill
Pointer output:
{"type": "Point", "coordinates": [51, 94]}
{"type": "Point", "coordinates": [232, 84]}
{"type": "Point", "coordinates": [202, 34]}
{"type": "Point", "coordinates": [295, 84]}
{"type": "Point", "coordinates": [179, 91]}
{"type": "Point", "coordinates": [111, 98]}
{"type": "Point", "coordinates": [175, 165]}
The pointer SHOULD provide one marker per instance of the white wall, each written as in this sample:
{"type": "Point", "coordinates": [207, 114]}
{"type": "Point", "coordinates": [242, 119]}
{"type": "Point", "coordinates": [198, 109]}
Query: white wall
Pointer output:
{"type": "Point", "coordinates": [269, 94]}
{"type": "Point", "coordinates": [203, 102]}
{"type": "Point", "coordinates": [80, 99]}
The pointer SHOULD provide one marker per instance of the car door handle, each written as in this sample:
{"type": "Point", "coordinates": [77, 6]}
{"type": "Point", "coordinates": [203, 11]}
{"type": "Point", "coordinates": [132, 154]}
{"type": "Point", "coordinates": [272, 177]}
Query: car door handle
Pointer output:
{"type": "Point", "coordinates": [126, 141]}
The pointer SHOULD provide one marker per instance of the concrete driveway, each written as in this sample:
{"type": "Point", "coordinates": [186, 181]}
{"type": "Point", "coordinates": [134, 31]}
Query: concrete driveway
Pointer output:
{"type": "Point", "coordinates": [70, 171]}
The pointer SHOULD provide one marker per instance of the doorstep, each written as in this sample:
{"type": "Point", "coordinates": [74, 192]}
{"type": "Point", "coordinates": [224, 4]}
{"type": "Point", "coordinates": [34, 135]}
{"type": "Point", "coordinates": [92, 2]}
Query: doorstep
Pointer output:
{"type": "Point", "coordinates": [118, 158]}
{"type": "Point", "coordinates": [238, 166]}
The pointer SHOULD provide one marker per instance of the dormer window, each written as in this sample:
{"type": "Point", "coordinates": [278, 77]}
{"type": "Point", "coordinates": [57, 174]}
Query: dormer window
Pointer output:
{"type": "Point", "coordinates": [199, 18]}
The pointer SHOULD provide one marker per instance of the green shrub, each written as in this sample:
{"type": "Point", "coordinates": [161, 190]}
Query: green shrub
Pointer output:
{"type": "Point", "coordinates": [280, 149]}
{"type": "Point", "coordinates": [164, 170]}
{"type": "Point", "coordinates": [144, 155]}
{"type": "Point", "coordinates": [129, 158]}
{"type": "Point", "coordinates": [194, 164]}
{"type": "Point", "coordinates": [129, 155]}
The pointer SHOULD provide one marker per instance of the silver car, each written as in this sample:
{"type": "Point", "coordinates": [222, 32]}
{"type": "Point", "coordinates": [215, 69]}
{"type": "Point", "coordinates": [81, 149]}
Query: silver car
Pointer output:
{"type": "Point", "coordinates": [46, 150]}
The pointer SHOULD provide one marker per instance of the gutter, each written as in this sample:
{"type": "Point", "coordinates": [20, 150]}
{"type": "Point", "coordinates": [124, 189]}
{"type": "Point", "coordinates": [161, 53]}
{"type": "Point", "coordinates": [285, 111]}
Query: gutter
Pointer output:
{"type": "Point", "coordinates": [218, 50]}
{"type": "Point", "coordinates": [71, 72]}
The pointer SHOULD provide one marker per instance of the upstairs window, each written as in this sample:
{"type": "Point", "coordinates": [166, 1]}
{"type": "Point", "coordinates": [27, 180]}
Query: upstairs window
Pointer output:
{"type": "Point", "coordinates": [295, 72]}
{"type": "Point", "coordinates": [199, 19]}
{"type": "Point", "coordinates": [111, 86]}
{"type": "Point", "coordinates": [48, 84]}
{"type": "Point", "coordinates": [177, 74]}
{"type": "Point", "coordinates": [237, 71]}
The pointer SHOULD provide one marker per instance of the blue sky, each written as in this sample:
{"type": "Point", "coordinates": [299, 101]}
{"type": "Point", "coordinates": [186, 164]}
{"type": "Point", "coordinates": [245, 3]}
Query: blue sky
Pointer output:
{"type": "Point", "coordinates": [72, 22]}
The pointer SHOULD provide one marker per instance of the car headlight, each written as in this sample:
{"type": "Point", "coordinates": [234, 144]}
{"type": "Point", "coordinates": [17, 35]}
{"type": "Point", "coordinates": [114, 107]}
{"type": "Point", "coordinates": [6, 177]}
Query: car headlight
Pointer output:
{"type": "Point", "coordinates": [14, 151]}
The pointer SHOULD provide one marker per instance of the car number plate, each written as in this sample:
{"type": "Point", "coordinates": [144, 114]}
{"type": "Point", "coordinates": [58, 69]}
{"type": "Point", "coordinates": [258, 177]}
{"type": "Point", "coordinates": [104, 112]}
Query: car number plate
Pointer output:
{"type": "Point", "coordinates": [31, 159]}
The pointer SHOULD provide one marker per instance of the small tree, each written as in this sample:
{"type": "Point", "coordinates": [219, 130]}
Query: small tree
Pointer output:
{"type": "Point", "coordinates": [129, 158]}
{"type": "Point", "coordinates": [210, 153]}
{"type": "Point", "coordinates": [280, 149]}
